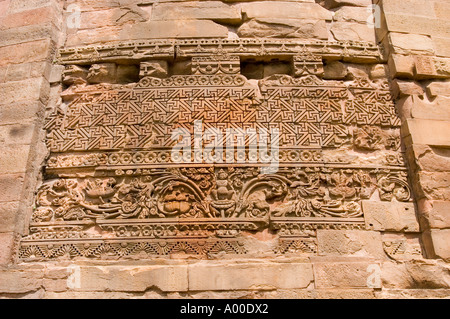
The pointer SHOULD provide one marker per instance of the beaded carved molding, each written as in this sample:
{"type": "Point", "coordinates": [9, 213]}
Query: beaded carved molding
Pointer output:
{"type": "Point", "coordinates": [112, 190]}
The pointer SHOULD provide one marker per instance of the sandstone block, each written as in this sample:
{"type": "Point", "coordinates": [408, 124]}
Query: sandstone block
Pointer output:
{"type": "Point", "coordinates": [441, 46]}
{"type": "Point", "coordinates": [94, 36]}
{"type": "Point", "coordinates": [39, 16]}
{"type": "Point", "coordinates": [401, 66]}
{"type": "Point", "coordinates": [11, 187]}
{"type": "Point", "coordinates": [349, 243]}
{"type": "Point", "coordinates": [412, 7]}
{"type": "Point", "coordinates": [4, 7]}
{"type": "Point", "coordinates": [138, 278]}
{"type": "Point", "coordinates": [379, 71]}
{"type": "Point", "coordinates": [102, 73]}
{"type": "Point", "coordinates": [8, 213]}
{"type": "Point", "coordinates": [14, 159]}
{"type": "Point", "coordinates": [357, 71]}
{"type": "Point", "coordinates": [409, 23]}
{"type": "Point", "coordinates": [426, 132]}
{"type": "Point", "coordinates": [441, 244]}
{"type": "Point", "coordinates": [335, 71]}
{"type": "Point", "coordinates": [283, 28]}
{"type": "Point", "coordinates": [395, 275]}
{"type": "Point", "coordinates": [210, 10]}
{"type": "Point", "coordinates": [347, 275]}
{"type": "Point", "coordinates": [439, 216]}
{"type": "Point", "coordinates": [260, 276]}
{"type": "Point", "coordinates": [21, 112]}
{"type": "Point", "coordinates": [438, 88]}
{"type": "Point", "coordinates": [416, 274]}
{"type": "Point", "coordinates": [336, 3]}
{"type": "Point", "coordinates": [406, 88]}
{"type": "Point", "coordinates": [411, 43]}
{"type": "Point", "coordinates": [20, 281]}
{"type": "Point", "coordinates": [386, 216]}
{"type": "Point", "coordinates": [155, 68]}
{"type": "Point", "coordinates": [352, 14]}
{"type": "Point", "coordinates": [435, 185]}
{"type": "Point", "coordinates": [351, 31]}
{"type": "Point", "coordinates": [431, 159]}
{"type": "Point", "coordinates": [27, 90]}
{"type": "Point", "coordinates": [28, 33]}
{"type": "Point", "coordinates": [285, 10]}
{"type": "Point", "coordinates": [7, 243]}
{"type": "Point", "coordinates": [22, 5]}
{"type": "Point", "coordinates": [24, 52]}
{"type": "Point", "coordinates": [173, 29]}
{"type": "Point", "coordinates": [430, 110]}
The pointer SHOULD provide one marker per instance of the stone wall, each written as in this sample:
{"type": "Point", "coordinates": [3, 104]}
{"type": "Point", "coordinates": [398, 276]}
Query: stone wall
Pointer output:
{"type": "Point", "coordinates": [396, 248]}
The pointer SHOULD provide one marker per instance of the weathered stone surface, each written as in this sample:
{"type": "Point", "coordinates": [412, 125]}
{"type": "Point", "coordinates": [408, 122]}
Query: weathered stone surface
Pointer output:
{"type": "Point", "coordinates": [435, 185]}
{"type": "Point", "coordinates": [112, 17]}
{"type": "Point", "coordinates": [401, 246]}
{"type": "Point", "coordinates": [441, 247]}
{"type": "Point", "coordinates": [412, 7]}
{"type": "Point", "coordinates": [283, 28]}
{"type": "Point", "coordinates": [441, 46]}
{"type": "Point", "coordinates": [11, 187]}
{"type": "Point", "coordinates": [102, 73]}
{"type": "Point", "coordinates": [439, 214]}
{"type": "Point", "coordinates": [406, 88]}
{"type": "Point", "coordinates": [20, 281]}
{"type": "Point", "coordinates": [415, 24]}
{"type": "Point", "coordinates": [256, 276]}
{"type": "Point", "coordinates": [384, 216]}
{"type": "Point", "coordinates": [350, 274]}
{"type": "Point", "coordinates": [353, 14]}
{"type": "Point", "coordinates": [174, 29]}
{"type": "Point", "coordinates": [347, 31]}
{"type": "Point", "coordinates": [418, 273]}
{"type": "Point", "coordinates": [336, 3]}
{"type": "Point", "coordinates": [357, 71]}
{"type": "Point", "coordinates": [335, 71]}
{"type": "Point", "coordinates": [21, 112]}
{"type": "Point", "coordinates": [27, 90]}
{"type": "Point", "coordinates": [285, 10]}
{"type": "Point", "coordinates": [155, 68]}
{"type": "Point", "coordinates": [13, 159]}
{"type": "Point", "coordinates": [24, 52]}
{"type": "Point", "coordinates": [6, 247]}
{"type": "Point", "coordinates": [129, 278]}
{"type": "Point", "coordinates": [8, 213]}
{"type": "Point", "coordinates": [424, 132]}
{"type": "Point", "coordinates": [438, 89]}
{"type": "Point", "coordinates": [431, 159]}
{"type": "Point", "coordinates": [39, 16]}
{"type": "Point", "coordinates": [401, 66]}
{"type": "Point", "coordinates": [349, 243]}
{"type": "Point", "coordinates": [212, 10]}
{"type": "Point", "coordinates": [379, 71]}
{"type": "Point", "coordinates": [404, 43]}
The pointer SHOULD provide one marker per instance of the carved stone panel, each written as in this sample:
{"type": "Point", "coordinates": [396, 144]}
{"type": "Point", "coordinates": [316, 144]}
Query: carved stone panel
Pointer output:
{"type": "Point", "coordinates": [115, 189]}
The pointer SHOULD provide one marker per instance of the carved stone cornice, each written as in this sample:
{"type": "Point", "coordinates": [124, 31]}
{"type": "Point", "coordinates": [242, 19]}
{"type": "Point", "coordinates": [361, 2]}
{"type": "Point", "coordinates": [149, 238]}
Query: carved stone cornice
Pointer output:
{"type": "Point", "coordinates": [363, 52]}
